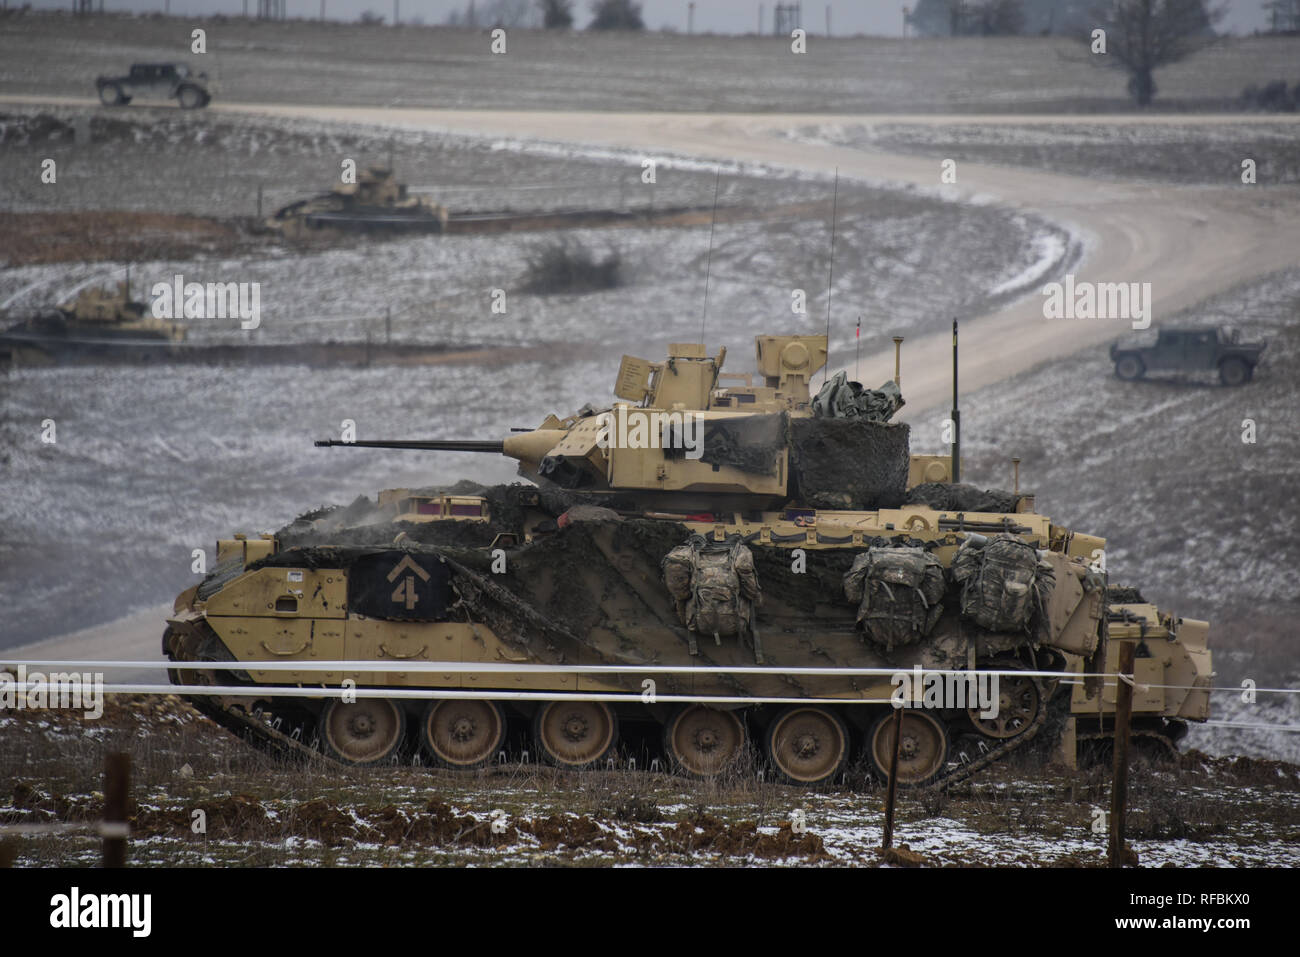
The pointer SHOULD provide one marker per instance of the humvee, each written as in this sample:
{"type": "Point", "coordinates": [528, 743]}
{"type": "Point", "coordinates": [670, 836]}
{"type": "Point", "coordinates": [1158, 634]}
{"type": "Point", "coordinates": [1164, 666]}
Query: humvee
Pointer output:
{"type": "Point", "coordinates": [156, 81]}
{"type": "Point", "coordinates": [1191, 349]}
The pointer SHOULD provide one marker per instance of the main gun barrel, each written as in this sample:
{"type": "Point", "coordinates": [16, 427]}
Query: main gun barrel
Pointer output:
{"type": "Point", "coordinates": [430, 445]}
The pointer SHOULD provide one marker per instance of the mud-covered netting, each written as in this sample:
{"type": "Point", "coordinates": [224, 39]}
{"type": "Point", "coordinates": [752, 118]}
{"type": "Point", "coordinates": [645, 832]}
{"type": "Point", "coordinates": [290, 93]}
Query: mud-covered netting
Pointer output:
{"type": "Point", "coordinates": [1124, 595]}
{"type": "Point", "coordinates": [848, 463]}
{"type": "Point", "coordinates": [751, 443]}
{"type": "Point", "coordinates": [363, 523]}
{"type": "Point", "coordinates": [961, 498]}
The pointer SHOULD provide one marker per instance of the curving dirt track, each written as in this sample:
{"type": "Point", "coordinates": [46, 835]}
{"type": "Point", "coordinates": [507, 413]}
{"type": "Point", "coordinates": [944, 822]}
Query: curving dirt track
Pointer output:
{"type": "Point", "coordinates": [1188, 242]}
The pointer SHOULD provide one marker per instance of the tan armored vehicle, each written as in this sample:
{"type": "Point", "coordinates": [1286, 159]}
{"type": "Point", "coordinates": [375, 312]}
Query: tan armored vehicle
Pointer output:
{"type": "Point", "coordinates": [778, 560]}
{"type": "Point", "coordinates": [97, 322]}
{"type": "Point", "coordinates": [376, 202]}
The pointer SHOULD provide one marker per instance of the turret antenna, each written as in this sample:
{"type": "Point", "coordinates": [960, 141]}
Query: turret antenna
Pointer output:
{"type": "Point", "coordinates": [708, 266]}
{"type": "Point", "coordinates": [830, 278]}
{"type": "Point", "coordinates": [857, 354]}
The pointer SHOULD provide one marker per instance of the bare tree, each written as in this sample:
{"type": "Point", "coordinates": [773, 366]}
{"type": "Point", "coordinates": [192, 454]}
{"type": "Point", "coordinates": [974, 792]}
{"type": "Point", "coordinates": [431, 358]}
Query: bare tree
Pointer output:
{"type": "Point", "coordinates": [1284, 16]}
{"type": "Point", "coordinates": [967, 17]}
{"type": "Point", "coordinates": [507, 13]}
{"type": "Point", "coordinates": [556, 14]}
{"type": "Point", "coordinates": [1143, 35]}
{"type": "Point", "coordinates": [616, 15]}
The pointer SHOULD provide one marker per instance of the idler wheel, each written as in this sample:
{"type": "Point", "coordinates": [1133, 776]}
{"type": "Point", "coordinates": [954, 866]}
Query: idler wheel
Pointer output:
{"type": "Point", "coordinates": [1017, 708]}
{"type": "Point", "coordinates": [922, 753]}
{"type": "Point", "coordinates": [366, 732]}
{"type": "Point", "coordinates": [703, 741]}
{"type": "Point", "coordinates": [462, 734]}
{"type": "Point", "coordinates": [807, 744]}
{"type": "Point", "coordinates": [575, 734]}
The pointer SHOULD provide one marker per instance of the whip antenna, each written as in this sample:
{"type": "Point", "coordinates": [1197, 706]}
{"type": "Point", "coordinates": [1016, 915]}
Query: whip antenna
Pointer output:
{"type": "Point", "coordinates": [830, 277]}
{"type": "Point", "coordinates": [708, 266]}
{"type": "Point", "coordinates": [857, 356]}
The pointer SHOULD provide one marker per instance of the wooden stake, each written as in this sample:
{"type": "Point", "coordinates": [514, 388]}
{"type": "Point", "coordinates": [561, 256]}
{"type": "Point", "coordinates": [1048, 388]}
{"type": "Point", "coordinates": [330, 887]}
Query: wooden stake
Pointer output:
{"type": "Point", "coordinates": [1119, 786]}
{"type": "Point", "coordinates": [117, 789]}
{"type": "Point", "coordinates": [892, 789]}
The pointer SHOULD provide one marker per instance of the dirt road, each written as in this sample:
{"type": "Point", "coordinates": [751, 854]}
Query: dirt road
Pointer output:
{"type": "Point", "coordinates": [1188, 242]}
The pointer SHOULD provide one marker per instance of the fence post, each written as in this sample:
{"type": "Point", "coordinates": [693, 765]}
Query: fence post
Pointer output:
{"type": "Point", "coordinates": [1119, 786]}
{"type": "Point", "coordinates": [117, 789]}
{"type": "Point", "coordinates": [892, 788]}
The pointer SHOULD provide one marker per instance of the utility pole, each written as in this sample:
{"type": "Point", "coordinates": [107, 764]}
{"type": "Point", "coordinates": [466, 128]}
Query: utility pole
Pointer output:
{"type": "Point", "coordinates": [760, 19]}
{"type": "Point", "coordinates": [828, 19]}
{"type": "Point", "coordinates": [690, 18]}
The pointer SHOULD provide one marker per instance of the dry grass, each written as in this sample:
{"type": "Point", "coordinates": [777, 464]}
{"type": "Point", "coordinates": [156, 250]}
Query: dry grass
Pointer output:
{"type": "Point", "coordinates": [261, 812]}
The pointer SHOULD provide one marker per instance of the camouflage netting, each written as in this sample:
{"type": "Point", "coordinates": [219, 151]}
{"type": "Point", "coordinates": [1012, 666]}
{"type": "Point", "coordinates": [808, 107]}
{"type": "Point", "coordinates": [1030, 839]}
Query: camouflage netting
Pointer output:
{"type": "Point", "coordinates": [1124, 595]}
{"type": "Point", "coordinates": [751, 444]}
{"type": "Point", "coordinates": [848, 463]}
{"type": "Point", "coordinates": [961, 498]}
{"type": "Point", "coordinates": [365, 524]}
{"type": "Point", "coordinates": [842, 399]}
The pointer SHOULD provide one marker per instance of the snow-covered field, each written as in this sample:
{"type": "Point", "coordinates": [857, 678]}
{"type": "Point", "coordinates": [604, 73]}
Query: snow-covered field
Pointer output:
{"type": "Point", "coordinates": [1209, 154]}
{"type": "Point", "coordinates": [153, 462]}
{"type": "Point", "coordinates": [1203, 522]}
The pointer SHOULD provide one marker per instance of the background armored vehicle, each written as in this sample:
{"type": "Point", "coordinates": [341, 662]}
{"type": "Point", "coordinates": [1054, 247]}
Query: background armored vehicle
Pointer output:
{"type": "Point", "coordinates": [778, 565]}
{"type": "Point", "coordinates": [156, 81]}
{"type": "Point", "coordinates": [376, 202]}
{"type": "Point", "coordinates": [1202, 349]}
{"type": "Point", "coordinates": [97, 321]}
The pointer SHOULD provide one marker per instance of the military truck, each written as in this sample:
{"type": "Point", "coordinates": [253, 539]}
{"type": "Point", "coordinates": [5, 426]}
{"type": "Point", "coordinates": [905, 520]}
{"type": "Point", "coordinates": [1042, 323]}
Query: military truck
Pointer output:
{"type": "Point", "coordinates": [156, 81]}
{"type": "Point", "coordinates": [1190, 349]}
{"type": "Point", "coordinates": [730, 564]}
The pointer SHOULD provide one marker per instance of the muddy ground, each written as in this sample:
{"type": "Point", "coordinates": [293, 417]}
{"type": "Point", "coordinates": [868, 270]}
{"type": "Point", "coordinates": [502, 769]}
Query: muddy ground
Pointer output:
{"type": "Point", "coordinates": [1205, 811]}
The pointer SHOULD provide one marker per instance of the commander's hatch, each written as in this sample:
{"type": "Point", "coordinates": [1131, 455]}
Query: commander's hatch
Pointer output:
{"type": "Point", "coordinates": [684, 381]}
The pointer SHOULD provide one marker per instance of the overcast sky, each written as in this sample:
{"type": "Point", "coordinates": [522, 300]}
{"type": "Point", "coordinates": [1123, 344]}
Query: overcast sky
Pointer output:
{"type": "Point", "coordinates": [878, 17]}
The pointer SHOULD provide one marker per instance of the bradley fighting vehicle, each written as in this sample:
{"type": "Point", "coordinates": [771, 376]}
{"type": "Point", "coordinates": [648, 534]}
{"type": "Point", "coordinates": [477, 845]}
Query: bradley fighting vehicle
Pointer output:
{"type": "Point", "coordinates": [96, 322]}
{"type": "Point", "coordinates": [747, 539]}
{"type": "Point", "coordinates": [376, 202]}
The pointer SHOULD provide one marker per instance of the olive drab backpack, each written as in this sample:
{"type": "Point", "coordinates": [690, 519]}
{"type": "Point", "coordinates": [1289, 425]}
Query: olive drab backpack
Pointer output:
{"type": "Point", "coordinates": [1004, 585]}
{"type": "Point", "coordinates": [899, 591]}
{"type": "Point", "coordinates": [715, 589]}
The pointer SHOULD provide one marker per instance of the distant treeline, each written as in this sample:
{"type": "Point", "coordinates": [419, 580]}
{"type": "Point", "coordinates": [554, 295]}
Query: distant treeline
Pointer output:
{"type": "Point", "coordinates": [942, 18]}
